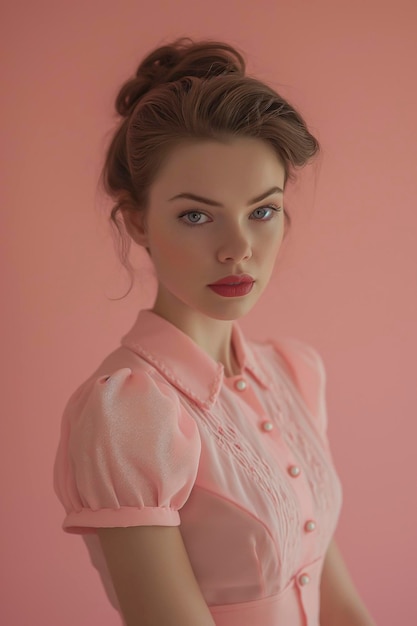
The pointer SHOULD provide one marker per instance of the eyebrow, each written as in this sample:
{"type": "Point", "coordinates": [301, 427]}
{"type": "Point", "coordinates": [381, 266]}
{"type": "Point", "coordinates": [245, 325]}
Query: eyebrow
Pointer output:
{"type": "Point", "coordinates": [192, 196]}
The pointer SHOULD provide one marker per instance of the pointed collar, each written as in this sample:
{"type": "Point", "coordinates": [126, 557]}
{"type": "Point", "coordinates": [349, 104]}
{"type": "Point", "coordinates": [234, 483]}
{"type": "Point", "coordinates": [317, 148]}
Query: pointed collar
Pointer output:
{"type": "Point", "coordinates": [182, 362]}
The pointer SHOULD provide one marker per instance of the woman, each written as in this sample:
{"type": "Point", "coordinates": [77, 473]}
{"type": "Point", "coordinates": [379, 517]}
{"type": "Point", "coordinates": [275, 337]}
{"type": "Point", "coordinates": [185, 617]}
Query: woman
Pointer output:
{"type": "Point", "coordinates": [194, 461]}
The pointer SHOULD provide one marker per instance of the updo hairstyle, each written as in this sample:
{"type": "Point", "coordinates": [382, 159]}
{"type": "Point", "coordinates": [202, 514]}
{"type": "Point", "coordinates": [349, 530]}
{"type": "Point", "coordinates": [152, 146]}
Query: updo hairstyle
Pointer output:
{"type": "Point", "coordinates": [190, 91]}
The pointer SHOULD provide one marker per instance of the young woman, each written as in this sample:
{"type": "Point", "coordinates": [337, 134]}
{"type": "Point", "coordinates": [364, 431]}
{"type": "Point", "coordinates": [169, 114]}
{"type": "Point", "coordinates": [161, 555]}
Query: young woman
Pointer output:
{"type": "Point", "coordinates": [195, 461]}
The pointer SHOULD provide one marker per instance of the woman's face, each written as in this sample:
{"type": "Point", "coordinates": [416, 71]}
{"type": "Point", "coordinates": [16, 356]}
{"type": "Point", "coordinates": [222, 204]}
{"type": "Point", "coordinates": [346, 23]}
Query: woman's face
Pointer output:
{"type": "Point", "coordinates": [215, 210]}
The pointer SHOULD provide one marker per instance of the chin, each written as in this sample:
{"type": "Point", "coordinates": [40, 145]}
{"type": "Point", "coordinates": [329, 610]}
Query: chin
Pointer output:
{"type": "Point", "coordinates": [230, 311]}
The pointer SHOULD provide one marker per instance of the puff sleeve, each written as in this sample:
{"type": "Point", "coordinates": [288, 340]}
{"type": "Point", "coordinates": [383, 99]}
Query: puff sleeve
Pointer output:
{"type": "Point", "coordinates": [128, 454]}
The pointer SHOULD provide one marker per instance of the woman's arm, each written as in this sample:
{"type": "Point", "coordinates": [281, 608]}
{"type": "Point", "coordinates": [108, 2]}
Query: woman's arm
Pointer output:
{"type": "Point", "coordinates": [152, 577]}
{"type": "Point", "coordinates": [340, 602]}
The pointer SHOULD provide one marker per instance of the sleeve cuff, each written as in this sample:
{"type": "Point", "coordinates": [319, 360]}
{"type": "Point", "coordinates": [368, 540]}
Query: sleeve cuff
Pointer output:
{"type": "Point", "coordinates": [87, 520]}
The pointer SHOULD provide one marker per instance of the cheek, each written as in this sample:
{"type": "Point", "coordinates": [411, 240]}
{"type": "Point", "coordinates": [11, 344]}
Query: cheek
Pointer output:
{"type": "Point", "coordinates": [170, 252]}
{"type": "Point", "coordinates": [271, 242]}
{"type": "Point", "coordinates": [270, 251]}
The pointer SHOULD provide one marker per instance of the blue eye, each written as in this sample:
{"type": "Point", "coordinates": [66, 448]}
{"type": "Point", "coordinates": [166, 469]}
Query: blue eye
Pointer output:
{"type": "Point", "coordinates": [194, 218]}
{"type": "Point", "coordinates": [264, 212]}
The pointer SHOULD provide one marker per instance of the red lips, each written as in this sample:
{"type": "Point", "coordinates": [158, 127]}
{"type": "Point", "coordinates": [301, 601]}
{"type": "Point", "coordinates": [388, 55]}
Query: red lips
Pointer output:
{"type": "Point", "coordinates": [235, 280]}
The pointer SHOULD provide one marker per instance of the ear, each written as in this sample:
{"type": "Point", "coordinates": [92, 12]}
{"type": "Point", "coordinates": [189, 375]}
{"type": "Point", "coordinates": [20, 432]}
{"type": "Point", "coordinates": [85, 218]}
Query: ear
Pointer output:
{"type": "Point", "coordinates": [135, 223]}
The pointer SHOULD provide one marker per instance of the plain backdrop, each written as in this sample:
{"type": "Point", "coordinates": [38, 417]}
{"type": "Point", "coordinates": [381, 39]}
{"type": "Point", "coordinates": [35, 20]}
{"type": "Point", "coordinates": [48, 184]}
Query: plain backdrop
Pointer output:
{"type": "Point", "coordinates": [346, 283]}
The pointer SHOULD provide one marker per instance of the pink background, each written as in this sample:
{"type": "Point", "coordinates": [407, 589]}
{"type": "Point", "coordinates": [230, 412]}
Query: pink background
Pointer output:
{"type": "Point", "coordinates": [346, 284]}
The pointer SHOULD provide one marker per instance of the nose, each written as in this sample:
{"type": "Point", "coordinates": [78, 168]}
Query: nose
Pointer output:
{"type": "Point", "coordinates": [235, 246]}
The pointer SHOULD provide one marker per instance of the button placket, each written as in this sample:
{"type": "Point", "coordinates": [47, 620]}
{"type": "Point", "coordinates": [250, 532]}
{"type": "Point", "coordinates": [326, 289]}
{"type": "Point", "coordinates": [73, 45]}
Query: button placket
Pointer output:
{"type": "Point", "coordinates": [307, 581]}
{"type": "Point", "coordinates": [243, 388]}
{"type": "Point", "coordinates": [307, 523]}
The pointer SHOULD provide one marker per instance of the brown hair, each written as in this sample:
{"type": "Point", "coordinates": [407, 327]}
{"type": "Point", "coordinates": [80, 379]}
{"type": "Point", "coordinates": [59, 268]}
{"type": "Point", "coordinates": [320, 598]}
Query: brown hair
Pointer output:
{"type": "Point", "coordinates": [189, 91]}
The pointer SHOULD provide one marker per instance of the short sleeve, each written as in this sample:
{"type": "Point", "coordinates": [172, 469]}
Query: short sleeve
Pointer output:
{"type": "Point", "coordinates": [128, 454]}
{"type": "Point", "coordinates": [309, 374]}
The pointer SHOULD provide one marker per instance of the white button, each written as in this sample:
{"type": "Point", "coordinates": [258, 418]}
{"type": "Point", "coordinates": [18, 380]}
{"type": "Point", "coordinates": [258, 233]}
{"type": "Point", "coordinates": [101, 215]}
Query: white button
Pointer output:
{"type": "Point", "coordinates": [240, 384]}
{"type": "Point", "coordinates": [294, 470]}
{"type": "Point", "coordinates": [304, 579]}
{"type": "Point", "coordinates": [310, 526]}
{"type": "Point", "coordinates": [267, 426]}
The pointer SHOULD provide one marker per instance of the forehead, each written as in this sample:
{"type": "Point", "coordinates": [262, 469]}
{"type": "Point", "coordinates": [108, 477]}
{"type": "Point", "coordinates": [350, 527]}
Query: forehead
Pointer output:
{"type": "Point", "coordinates": [211, 166]}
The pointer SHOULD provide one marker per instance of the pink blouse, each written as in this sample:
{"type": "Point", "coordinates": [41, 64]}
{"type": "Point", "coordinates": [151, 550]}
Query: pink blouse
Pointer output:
{"type": "Point", "coordinates": [157, 435]}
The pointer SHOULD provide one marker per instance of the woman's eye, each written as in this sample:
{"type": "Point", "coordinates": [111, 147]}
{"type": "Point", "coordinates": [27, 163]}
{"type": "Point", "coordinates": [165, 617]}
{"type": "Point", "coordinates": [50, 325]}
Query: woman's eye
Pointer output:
{"type": "Point", "coordinates": [265, 212]}
{"type": "Point", "coordinates": [192, 217]}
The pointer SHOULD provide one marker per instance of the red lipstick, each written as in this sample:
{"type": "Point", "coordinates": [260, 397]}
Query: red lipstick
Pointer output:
{"type": "Point", "coordinates": [233, 286]}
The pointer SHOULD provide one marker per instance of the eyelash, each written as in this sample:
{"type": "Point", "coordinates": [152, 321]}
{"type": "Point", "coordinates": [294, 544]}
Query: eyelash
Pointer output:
{"type": "Point", "coordinates": [272, 207]}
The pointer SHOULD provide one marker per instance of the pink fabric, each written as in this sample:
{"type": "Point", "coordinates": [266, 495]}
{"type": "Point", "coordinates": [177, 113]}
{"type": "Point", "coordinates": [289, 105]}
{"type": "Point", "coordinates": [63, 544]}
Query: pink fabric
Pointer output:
{"type": "Point", "coordinates": [157, 435]}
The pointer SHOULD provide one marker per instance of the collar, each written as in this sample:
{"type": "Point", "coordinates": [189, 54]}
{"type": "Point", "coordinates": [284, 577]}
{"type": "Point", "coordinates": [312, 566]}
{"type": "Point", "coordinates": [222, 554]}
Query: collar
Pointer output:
{"type": "Point", "coordinates": [182, 362]}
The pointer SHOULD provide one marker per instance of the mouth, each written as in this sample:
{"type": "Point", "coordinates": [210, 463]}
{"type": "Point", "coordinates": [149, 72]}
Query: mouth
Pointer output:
{"type": "Point", "coordinates": [232, 290]}
{"type": "Point", "coordinates": [244, 279]}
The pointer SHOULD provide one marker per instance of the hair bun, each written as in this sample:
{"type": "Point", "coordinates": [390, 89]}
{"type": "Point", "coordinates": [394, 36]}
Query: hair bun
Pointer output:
{"type": "Point", "coordinates": [172, 62]}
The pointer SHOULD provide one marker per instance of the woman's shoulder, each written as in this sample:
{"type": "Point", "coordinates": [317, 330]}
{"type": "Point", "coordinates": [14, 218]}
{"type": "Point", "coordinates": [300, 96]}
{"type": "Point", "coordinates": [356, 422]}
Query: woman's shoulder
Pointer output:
{"type": "Point", "coordinates": [295, 354]}
{"type": "Point", "coordinates": [122, 384]}
{"type": "Point", "coordinates": [302, 364]}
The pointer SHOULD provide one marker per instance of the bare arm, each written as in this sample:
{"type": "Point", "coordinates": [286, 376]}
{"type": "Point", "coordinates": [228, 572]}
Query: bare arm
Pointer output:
{"type": "Point", "coordinates": [152, 576]}
{"type": "Point", "coordinates": [340, 601]}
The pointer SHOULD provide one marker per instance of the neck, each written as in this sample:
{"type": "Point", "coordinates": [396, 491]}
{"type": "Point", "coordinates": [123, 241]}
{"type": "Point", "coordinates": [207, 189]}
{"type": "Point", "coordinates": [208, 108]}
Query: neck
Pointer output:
{"type": "Point", "coordinates": [212, 335]}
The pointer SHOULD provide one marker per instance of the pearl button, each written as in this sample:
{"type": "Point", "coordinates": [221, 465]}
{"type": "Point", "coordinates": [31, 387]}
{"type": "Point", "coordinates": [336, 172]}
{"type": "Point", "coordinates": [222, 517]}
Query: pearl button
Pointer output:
{"type": "Point", "coordinates": [240, 385]}
{"type": "Point", "coordinates": [310, 526]}
{"type": "Point", "coordinates": [304, 579]}
{"type": "Point", "coordinates": [267, 426]}
{"type": "Point", "coordinates": [294, 471]}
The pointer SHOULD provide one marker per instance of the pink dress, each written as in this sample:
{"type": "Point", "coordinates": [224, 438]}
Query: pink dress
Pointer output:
{"type": "Point", "coordinates": [157, 435]}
